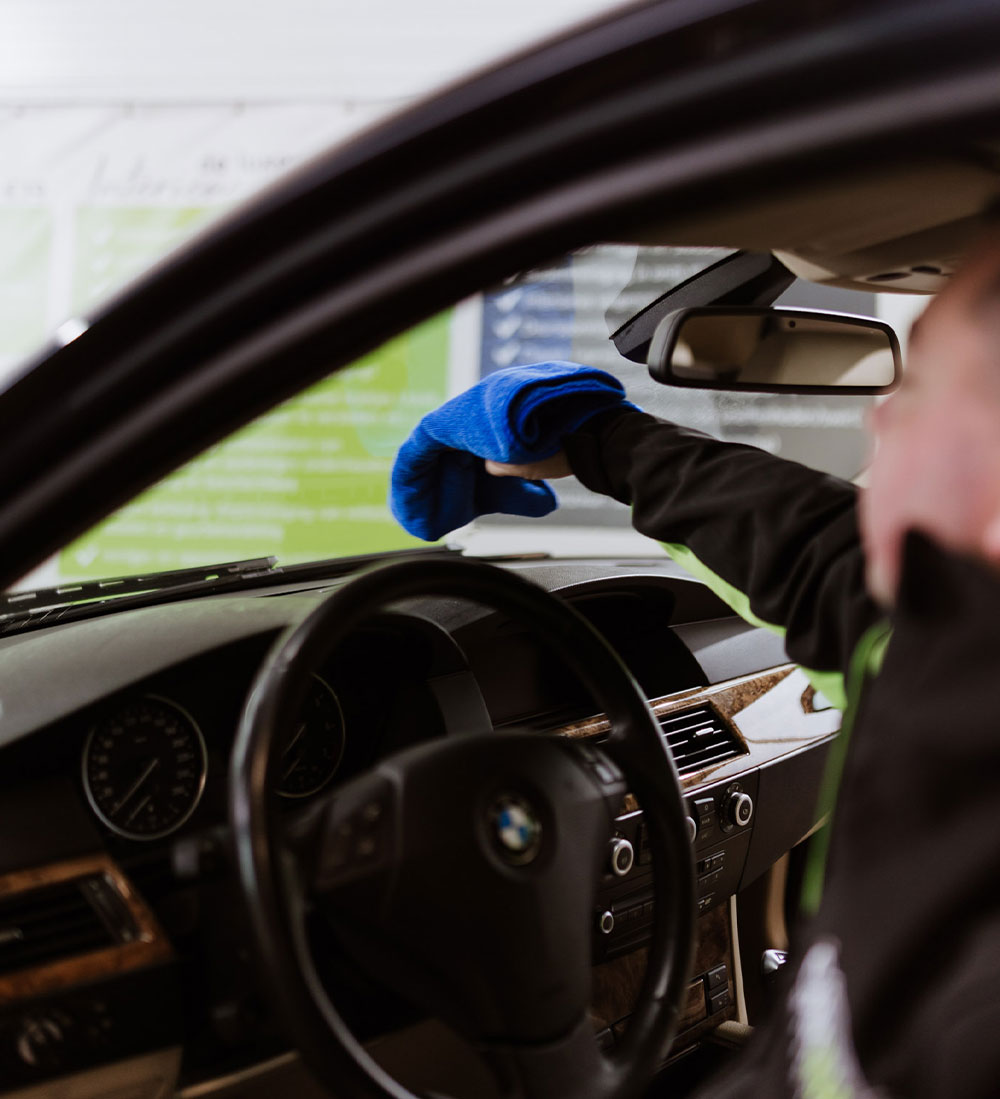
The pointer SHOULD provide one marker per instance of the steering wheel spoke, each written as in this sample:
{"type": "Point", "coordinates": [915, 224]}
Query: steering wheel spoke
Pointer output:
{"type": "Point", "coordinates": [347, 844]}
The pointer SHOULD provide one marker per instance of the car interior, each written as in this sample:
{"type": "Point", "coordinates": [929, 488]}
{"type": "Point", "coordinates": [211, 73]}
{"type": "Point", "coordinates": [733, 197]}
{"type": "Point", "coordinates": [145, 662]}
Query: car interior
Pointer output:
{"type": "Point", "coordinates": [159, 732]}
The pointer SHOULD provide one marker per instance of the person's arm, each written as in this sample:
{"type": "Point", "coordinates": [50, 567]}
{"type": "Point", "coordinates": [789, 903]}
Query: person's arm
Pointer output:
{"type": "Point", "coordinates": [777, 540]}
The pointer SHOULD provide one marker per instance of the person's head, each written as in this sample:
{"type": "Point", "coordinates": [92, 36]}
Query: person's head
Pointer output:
{"type": "Point", "coordinates": [936, 466]}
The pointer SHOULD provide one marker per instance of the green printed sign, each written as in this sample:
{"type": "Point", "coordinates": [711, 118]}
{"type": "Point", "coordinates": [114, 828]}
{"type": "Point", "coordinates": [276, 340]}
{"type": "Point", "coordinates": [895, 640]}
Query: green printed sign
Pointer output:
{"type": "Point", "coordinates": [307, 481]}
{"type": "Point", "coordinates": [115, 243]}
{"type": "Point", "coordinates": [26, 236]}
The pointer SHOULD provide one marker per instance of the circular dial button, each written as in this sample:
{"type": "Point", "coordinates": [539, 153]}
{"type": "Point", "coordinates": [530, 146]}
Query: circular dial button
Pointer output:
{"type": "Point", "coordinates": [740, 808]}
{"type": "Point", "coordinates": [315, 745]}
{"type": "Point", "coordinates": [144, 768]}
{"type": "Point", "coordinates": [622, 857]}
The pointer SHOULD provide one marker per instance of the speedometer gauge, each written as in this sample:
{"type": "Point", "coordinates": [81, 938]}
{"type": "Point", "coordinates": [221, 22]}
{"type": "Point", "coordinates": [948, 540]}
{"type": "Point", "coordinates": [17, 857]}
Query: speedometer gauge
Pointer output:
{"type": "Point", "coordinates": [315, 744]}
{"type": "Point", "coordinates": [144, 767]}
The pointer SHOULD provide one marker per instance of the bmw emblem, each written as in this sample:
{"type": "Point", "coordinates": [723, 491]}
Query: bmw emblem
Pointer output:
{"type": "Point", "coordinates": [516, 829]}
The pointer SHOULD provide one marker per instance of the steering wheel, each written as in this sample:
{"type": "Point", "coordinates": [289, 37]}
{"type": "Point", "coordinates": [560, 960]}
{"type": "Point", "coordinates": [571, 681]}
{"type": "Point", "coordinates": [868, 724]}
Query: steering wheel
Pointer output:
{"type": "Point", "coordinates": [465, 868]}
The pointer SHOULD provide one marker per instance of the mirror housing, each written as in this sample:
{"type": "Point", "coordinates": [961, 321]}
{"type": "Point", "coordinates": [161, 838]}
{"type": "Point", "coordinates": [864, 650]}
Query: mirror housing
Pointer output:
{"type": "Point", "coordinates": [763, 350]}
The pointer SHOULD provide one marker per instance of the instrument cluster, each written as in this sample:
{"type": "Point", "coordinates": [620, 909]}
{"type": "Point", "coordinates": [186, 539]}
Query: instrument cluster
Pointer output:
{"type": "Point", "coordinates": [145, 760]}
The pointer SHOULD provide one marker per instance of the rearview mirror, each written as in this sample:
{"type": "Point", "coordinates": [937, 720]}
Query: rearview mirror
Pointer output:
{"type": "Point", "coordinates": [774, 350]}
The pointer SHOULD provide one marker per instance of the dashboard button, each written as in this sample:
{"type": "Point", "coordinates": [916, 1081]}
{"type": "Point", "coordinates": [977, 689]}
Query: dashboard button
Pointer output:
{"type": "Point", "coordinates": [717, 978]}
{"type": "Point", "coordinates": [739, 809]}
{"type": "Point", "coordinates": [622, 857]}
{"type": "Point", "coordinates": [40, 1042]}
{"type": "Point", "coordinates": [708, 881]}
{"type": "Point", "coordinates": [705, 807]}
{"type": "Point", "coordinates": [719, 1001]}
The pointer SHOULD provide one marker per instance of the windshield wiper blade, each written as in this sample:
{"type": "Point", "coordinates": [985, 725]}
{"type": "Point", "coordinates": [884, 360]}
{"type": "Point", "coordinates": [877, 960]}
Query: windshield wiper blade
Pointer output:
{"type": "Point", "coordinates": [26, 603]}
{"type": "Point", "coordinates": [130, 592]}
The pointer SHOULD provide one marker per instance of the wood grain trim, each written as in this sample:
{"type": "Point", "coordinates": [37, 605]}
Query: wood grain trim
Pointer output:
{"type": "Point", "coordinates": [729, 698]}
{"type": "Point", "coordinates": [616, 983]}
{"type": "Point", "coordinates": [150, 947]}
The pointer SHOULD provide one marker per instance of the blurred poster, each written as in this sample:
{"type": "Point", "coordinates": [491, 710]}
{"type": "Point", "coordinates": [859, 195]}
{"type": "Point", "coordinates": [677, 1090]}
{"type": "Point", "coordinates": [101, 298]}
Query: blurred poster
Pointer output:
{"type": "Point", "coordinates": [89, 198]}
{"type": "Point", "coordinates": [305, 482]}
{"type": "Point", "coordinates": [530, 321]}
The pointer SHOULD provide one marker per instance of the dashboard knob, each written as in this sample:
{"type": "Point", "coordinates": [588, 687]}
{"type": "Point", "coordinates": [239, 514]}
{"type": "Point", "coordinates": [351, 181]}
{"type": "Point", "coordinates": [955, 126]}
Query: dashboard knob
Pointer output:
{"type": "Point", "coordinates": [606, 922]}
{"type": "Point", "coordinates": [622, 857]}
{"type": "Point", "coordinates": [692, 826]}
{"type": "Point", "coordinates": [739, 809]}
{"type": "Point", "coordinates": [40, 1042]}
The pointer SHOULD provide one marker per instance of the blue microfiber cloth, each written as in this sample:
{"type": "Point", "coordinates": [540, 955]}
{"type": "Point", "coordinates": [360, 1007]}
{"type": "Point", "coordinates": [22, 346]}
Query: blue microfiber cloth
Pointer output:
{"type": "Point", "coordinates": [518, 415]}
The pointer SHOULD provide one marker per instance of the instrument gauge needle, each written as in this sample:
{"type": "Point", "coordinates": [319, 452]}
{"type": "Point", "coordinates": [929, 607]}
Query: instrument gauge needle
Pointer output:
{"type": "Point", "coordinates": [291, 744]}
{"type": "Point", "coordinates": [149, 769]}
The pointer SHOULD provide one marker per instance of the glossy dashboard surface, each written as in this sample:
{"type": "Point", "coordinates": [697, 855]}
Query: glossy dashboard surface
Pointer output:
{"type": "Point", "coordinates": [116, 736]}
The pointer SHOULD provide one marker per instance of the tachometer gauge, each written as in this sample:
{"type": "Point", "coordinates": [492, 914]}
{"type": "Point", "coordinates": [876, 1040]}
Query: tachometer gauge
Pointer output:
{"type": "Point", "coordinates": [315, 744]}
{"type": "Point", "coordinates": [144, 767]}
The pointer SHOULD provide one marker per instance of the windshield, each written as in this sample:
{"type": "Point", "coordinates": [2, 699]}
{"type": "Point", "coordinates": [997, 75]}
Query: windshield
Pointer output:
{"type": "Point", "coordinates": [309, 480]}
{"type": "Point", "coordinates": [123, 137]}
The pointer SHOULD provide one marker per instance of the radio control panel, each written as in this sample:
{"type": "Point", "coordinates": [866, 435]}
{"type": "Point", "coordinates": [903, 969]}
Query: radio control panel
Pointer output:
{"type": "Point", "coordinates": [720, 822]}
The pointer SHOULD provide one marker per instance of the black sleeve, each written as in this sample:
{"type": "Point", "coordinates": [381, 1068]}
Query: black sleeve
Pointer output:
{"type": "Point", "coordinates": [780, 533]}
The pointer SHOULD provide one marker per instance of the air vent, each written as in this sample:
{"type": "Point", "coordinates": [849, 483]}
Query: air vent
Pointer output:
{"type": "Point", "coordinates": [699, 738]}
{"type": "Point", "coordinates": [58, 921]}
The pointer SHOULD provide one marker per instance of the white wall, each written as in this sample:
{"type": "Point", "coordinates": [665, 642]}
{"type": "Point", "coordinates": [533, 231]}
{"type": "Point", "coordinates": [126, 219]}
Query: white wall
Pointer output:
{"type": "Point", "coordinates": [197, 51]}
{"type": "Point", "coordinates": [170, 111]}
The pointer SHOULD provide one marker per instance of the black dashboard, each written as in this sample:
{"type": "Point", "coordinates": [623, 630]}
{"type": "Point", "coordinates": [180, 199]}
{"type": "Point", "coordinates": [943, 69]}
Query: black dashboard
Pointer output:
{"type": "Point", "coordinates": [115, 740]}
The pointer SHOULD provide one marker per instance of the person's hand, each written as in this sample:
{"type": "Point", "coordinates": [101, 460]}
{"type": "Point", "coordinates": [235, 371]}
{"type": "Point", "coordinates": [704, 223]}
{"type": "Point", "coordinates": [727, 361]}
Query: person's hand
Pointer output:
{"type": "Point", "coordinates": [545, 470]}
